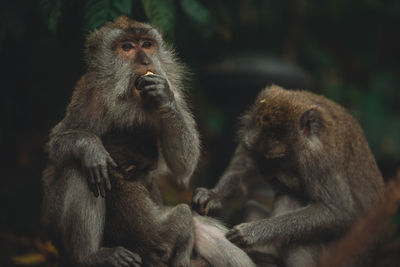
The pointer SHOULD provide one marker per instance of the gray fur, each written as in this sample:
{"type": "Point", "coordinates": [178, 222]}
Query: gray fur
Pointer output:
{"type": "Point", "coordinates": [102, 102]}
{"type": "Point", "coordinates": [212, 245]}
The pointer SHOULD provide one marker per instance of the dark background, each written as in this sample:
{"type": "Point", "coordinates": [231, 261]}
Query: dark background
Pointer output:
{"type": "Point", "coordinates": [346, 50]}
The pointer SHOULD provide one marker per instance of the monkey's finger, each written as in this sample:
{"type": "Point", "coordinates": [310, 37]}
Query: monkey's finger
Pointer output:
{"type": "Point", "coordinates": [213, 205]}
{"type": "Point", "coordinates": [155, 79]}
{"type": "Point", "coordinates": [132, 257]}
{"type": "Point", "coordinates": [197, 194]}
{"type": "Point", "coordinates": [232, 235]}
{"type": "Point", "coordinates": [104, 174]}
{"type": "Point", "coordinates": [111, 161]}
{"type": "Point", "coordinates": [151, 87]}
{"type": "Point", "coordinates": [204, 199]}
{"type": "Point", "coordinates": [236, 237]}
{"type": "Point", "coordinates": [123, 262]}
{"type": "Point", "coordinates": [99, 182]}
{"type": "Point", "coordinates": [143, 81]}
{"type": "Point", "coordinates": [94, 189]}
{"type": "Point", "coordinates": [102, 190]}
{"type": "Point", "coordinates": [91, 177]}
{"type": "Point", "coordinates": [199, 205]}
{"type": "Point", "coordinates": [147, 90]}
{"type": "Point", "coordinates": [137, 258]}
{"type": "Point", "coordinates": [92, 183]}
{"type": "Point", "coordinates": [150, 79]}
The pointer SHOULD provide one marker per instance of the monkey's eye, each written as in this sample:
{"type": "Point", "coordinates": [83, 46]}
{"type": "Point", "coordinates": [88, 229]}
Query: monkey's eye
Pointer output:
{"type": "Point", "coordinates": [147, 44]}
{"type": "Point", "coordinates": [127, 46]}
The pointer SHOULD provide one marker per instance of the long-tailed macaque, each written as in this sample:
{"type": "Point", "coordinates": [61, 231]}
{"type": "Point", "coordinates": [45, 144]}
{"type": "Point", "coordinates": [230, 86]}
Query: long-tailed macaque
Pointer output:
{"type": "Point", "coordinates": [110, 99]}
{"type": "Point", "coordinates": [130, 102]}
{"type": "Point", "coordinates": [315, 156]}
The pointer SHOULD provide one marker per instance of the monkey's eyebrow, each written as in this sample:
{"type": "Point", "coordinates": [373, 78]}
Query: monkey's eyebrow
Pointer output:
{"type": "Point", "coordinates": [137, 31]}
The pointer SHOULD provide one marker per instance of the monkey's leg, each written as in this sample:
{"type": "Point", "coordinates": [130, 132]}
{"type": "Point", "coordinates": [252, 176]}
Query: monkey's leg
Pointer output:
{"type": "Point", "coordinates": [302, 256]}
{"type": "Point", "coordinates": [82, 225]}
{"type": "Point", "coordinates": [179, 220]}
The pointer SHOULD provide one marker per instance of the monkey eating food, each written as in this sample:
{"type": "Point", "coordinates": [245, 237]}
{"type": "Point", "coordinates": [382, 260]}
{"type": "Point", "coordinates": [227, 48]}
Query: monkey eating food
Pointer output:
{"type": "Point", "coordinates": [316, 158]}
{"type": "Point", "coordinates": [130, 102]}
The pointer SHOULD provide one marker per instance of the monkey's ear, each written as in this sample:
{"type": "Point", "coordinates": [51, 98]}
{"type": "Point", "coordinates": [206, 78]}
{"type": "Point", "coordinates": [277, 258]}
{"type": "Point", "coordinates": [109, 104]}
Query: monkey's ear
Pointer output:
{"type": "Point", "coordinates": [311, 122]}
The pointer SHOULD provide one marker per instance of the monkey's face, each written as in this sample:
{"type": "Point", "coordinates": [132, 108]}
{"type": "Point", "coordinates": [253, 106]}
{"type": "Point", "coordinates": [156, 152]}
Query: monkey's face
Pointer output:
{"type": "Point", "coordinates": [279, 127]}
{"type": "Point", "coordinates": [267, 131]}
{"type": "Point", "coordinates": [139, 49]}
{"type": "Point", "coordinates": [120, 52]}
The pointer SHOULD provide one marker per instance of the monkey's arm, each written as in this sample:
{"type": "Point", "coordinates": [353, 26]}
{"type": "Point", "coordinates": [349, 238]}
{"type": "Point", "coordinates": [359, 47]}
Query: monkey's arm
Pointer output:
{"type": "Point", "coordinates": [68, 145]}
{"type": "Point", "coordinates": [233, 183]}
{"type": "Point", "coordinates": [178, 135]}
{"type": "Point", "coordinates": [180, 142]}
{"type": "Point", "coordinates": [329, 214]}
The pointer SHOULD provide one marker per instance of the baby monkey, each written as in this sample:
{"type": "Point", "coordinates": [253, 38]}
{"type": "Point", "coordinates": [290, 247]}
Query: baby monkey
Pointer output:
{"type": "Point", "coordinates": [315, 156]}
{"type": "Point", "coordinates": [137, 219]}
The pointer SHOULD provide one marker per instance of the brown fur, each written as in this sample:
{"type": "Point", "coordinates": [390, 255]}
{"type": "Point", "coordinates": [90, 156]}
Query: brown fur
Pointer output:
{"type": "Point", "coordinates": [368, 230]}
{"type": "Point", "coordinates": [315, 155]}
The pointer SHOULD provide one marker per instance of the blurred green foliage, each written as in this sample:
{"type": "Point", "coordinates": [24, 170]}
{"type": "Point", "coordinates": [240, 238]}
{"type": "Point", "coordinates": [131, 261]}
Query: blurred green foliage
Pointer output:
{"type": "Point", "coordinates": [350, 49]}
{"type": "Point", "coordinates": [344, 45]}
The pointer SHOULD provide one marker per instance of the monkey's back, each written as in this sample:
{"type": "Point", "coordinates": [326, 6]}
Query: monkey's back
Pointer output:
{"type": "Point", "coordinates": [353, 153]}
{"type": "Point", "coordinates": [343, 140]}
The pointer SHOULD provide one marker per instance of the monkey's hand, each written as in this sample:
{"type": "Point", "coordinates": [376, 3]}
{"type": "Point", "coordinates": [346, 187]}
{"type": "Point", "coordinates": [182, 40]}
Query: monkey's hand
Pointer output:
{"type": "Point", "coordinates": [120, 256]}
{"type": "Point", "coordinates": [244, 235]}
{"type": "Point", "coordinates": [95, 162]}
{"type": "Point", "coordinates": [205, 200]}
{"type": "Point", "coordinates": [154, 90]}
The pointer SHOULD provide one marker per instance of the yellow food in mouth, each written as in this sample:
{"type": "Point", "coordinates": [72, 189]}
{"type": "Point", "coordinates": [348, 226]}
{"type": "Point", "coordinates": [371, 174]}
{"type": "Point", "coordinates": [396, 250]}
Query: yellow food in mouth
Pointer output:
{"type": "Point", "coordinates": [148, 73]}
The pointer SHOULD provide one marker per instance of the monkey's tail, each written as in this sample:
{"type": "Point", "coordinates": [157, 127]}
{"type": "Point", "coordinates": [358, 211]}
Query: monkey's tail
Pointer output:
{"type": "Point", "coordinates": [212, 245]}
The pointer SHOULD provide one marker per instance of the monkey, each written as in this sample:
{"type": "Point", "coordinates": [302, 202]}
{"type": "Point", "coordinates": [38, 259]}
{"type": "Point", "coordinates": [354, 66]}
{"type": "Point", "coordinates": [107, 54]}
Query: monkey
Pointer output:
{"type": "Point", "coordinates": [127, 124]}
{"type": "Point", "coordinates": [110, 100]}
{"type": "Point", "coordinates": [163, 236]}
{"type": "Point", "coordinates": [316, 158]}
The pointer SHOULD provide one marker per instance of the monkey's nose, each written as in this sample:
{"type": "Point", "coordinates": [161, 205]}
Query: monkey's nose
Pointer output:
{"type": "Point", "coordinates": [142, 59]}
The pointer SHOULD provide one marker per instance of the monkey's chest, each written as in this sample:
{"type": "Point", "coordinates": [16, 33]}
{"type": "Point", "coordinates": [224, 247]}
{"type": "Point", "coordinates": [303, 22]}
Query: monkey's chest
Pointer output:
{"type": "Point", "coordinates": [135, 151]}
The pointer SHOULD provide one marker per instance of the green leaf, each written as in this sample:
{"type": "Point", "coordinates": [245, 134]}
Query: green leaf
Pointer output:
{"type": "Point", "coordinates": [161, 13]}
{"type": "Point", "coordinates": [51, 12]}
{"type": "Point", "coordinates": [121, 7]}
{"type": "Point", "coordinates": [200, 15]}
{"type": "Point", "coordinates": [98, 12]}
{"type": "Point", "coordinates": [196, 11]}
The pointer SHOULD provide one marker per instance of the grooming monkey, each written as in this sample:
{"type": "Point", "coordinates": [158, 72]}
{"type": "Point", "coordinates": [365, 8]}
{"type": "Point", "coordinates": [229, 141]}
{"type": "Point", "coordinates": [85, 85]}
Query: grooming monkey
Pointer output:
{"type": "Point", "coordinates": [317, 159]}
